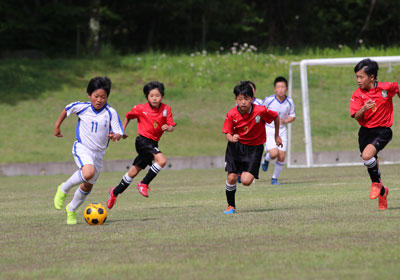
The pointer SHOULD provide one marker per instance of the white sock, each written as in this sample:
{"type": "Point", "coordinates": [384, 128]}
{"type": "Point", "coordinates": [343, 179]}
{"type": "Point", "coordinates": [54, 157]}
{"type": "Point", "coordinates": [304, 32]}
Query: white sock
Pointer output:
{"type": "Point", "coordinates": [74, 180]}
{"type": "Point", "coordinates": [79, 198]}
{"type": "Point", "coordinates": [127, 178]}
{"type": "Point", "coordinates": [268, 157]}
{"type": "Point", "coordinates": [278, 169]}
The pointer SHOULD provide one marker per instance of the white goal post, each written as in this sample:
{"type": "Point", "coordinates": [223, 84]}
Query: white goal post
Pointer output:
{"type": "Point", "coordinates": [305, 101]}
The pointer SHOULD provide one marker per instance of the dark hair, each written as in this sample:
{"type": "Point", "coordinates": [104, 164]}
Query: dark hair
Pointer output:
{"type": "Point", "coordinates": [249, 82]}
{"type": "Point", "coordinates": [99, 83]}
{"type": "Point", "coordinates": [370, 67]}
{"type": "Point", "coordinates": [152, 85]}
{"type": "Point", "coordinates": [280, 79]}
{"type": "Point", "coordinates": [244, 89]}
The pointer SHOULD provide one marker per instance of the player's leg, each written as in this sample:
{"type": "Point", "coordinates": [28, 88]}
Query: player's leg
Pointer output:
{"type": "Point", "coordinates": [79, 198]}
{"type": "Point", "coordinates": [159, 163]}
{"type": "Point", "coordinates": [279, 164]}
{"type": "Point", "coordinates": [82, 157]}
{"type": "Point", "coordinates": [247, 178]}
{"type": "Point", "coordinates": [230, 191]}
{"type": "Point", "coordinates": [123, 185]}
{"type": "Point", "coordinates": [269, 146]}
{"type": "Point", "coordinates": [231, 166]}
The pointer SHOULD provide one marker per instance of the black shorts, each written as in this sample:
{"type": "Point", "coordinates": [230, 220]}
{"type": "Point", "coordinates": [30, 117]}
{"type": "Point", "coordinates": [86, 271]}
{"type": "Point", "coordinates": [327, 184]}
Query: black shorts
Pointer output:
{"type": "Point", "coordinates": [146, 149]}
{"type": "Point", "coordinates": [243, 158]}
{"type": "Point", "coordinates": [377, 136]}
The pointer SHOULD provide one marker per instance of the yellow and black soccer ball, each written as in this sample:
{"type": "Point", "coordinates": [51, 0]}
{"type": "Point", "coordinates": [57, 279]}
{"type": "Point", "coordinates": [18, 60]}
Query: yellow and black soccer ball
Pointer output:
{"type": "Point", "coordinates": [95, 214]}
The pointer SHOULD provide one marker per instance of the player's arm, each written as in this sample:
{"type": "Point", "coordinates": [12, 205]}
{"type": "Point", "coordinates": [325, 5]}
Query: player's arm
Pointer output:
{"type": "Point", "coordinates": [61, 118]}
{"type": "Point", "coordinates": [367, 105]}
{"type": "Point", "coordinates": [124, 125]}
{"type": "Point", "coordinates": [288, 120]}
{"type": "Point", "coordinates": [170, 125]}
{"type": "Point", "coordinates": [278, 139]}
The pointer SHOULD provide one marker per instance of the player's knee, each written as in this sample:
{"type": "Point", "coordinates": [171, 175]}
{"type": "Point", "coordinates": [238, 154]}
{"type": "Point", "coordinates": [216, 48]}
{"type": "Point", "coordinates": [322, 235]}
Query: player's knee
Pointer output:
{"type": "Point", "coordinates": [232, 178]}
{"type": "Point", "coordinates": [88, 172]}
{"type": "Point", "coordinates": [162, 162]}
{"type": "Point", "coordinates": [247, 182]}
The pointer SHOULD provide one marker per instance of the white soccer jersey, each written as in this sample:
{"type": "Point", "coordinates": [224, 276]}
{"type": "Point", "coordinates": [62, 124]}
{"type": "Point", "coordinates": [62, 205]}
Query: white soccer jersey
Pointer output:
{"type": "Point", "coordinates": [285, 109]}
{"type": "Point", "coordinates": [93, 126]}
{"type": "Point", "coordinates": [258, 101]}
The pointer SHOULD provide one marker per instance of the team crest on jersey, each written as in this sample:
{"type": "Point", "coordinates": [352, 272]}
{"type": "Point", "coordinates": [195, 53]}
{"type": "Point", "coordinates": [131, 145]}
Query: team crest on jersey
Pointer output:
{"type": "Point", "coordinates": [384, 93]}
{"type": "Point", "coordinates": [164, 113]}
{"type": "Point", "coordinates": [257, 119]}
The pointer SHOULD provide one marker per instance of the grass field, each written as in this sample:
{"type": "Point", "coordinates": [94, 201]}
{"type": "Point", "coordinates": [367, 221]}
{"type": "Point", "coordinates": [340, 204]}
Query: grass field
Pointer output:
{"type": "Point", "coordinates": [319, 224]}
{"type": "Point", "coordinates": [198, 88]}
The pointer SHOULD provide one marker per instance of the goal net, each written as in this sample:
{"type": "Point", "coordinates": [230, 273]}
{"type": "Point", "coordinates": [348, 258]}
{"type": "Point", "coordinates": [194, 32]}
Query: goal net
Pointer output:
{"type": "Point", "coordinates": [324, 134]}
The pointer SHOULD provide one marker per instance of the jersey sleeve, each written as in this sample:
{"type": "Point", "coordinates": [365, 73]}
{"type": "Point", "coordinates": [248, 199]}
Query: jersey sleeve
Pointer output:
{"type": "Point", "coordinates": [116, 125]}
{"type": "Point", "coordinates": [170, 120]}
{"type": "Point", "coordinates": [393, 89]}
{"type": "Point", "coordinates": [76, 107]}
{"type": "Point", "coordinates": [228, 125]}
{"type": "Point", "coordinates": [268, 115]}
{"type": "Point", "coordinates": [133, 113]}
{"type": "Point", "coordinates": [292, 112]}
{"type": "Point", "coordinates": [355, 104]}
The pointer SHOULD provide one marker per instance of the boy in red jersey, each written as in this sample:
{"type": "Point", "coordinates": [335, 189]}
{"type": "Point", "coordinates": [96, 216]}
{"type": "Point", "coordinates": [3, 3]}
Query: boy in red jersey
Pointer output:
{"type": "Point", "coordinates": [244, 128]}
{"type": "Point", "coordinates": [372, 106]}
{"type": "Point", "coordinates": [154, 118]}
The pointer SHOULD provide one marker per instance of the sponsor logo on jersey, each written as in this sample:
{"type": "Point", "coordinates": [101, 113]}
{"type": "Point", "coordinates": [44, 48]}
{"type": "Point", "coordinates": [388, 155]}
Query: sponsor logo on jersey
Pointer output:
{"type": "Point", "coordinates": [257, 119]}
{"type": "Point", "coordinates": [384, 93]}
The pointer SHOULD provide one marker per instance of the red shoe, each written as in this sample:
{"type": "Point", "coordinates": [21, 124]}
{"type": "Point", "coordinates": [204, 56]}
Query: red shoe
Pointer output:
{"type": "Point", "coordinates": [383, 200]}
{"type": "Point", "coordinates": [113, 198]}
{"type": "Point", "coordinates": [375, 190]}
{"type": "Point", "coordinates": [142, 188]}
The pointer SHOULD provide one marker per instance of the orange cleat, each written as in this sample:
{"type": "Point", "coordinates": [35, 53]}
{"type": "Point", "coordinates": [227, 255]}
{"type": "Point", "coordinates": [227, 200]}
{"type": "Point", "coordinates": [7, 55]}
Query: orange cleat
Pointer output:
{"type": "Point", "coordinates": [230, 210]}
{"type": "Point", "coordinates": [113, 198]}
{"type": "Point", "coordinates": [383, 200]}
{"type": "Point", "coordinates": [142, 188]}
{"type": "Point", "coordinates": [375, 190]}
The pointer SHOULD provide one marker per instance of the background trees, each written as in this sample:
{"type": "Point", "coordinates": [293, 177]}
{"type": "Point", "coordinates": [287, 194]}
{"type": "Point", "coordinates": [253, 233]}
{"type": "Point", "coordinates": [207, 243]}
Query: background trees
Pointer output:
{"type": "Point", "coordinates": [73, 27]}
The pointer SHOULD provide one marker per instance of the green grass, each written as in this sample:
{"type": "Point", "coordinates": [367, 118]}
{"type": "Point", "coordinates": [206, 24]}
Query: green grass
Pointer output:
{"type": "Point", "coordinates": [319, 224]}
{"type": "Point", "coordinates": [198, 88]}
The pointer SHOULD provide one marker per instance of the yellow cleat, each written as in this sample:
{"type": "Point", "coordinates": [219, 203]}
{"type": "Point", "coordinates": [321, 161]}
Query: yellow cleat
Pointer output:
{"type": "Point", "coordinates": [59, 198]}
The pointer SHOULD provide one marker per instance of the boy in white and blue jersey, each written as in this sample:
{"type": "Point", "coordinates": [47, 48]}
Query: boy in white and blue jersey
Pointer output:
{"type": "Point", "coordinates": [283, 104]}
{"type": "Point", "coordinates": [97, 123]}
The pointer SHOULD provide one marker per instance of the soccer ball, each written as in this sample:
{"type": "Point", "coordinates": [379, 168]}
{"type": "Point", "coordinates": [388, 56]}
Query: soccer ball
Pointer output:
{"type": "Point", "coordinates": [95, 214]}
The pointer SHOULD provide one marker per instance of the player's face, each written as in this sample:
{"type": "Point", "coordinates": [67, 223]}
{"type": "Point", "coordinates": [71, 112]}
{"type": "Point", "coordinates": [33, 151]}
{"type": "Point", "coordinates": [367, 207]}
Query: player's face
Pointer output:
{"type": "Point", "coordinates": [154, 97]}
{"type": "Point", "coordinates": [364, 81]}
{"type": "Point", "coordinates": [280, 89]}
{"type": "Point", "coordinates": [98, 98]}
{"type": "Point", "coordinates": [244, 103]}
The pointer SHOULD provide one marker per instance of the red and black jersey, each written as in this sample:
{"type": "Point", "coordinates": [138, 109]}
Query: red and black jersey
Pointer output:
{"type": "Point", "coordinates": [382, 114]}
{"type": "Point", "coordinates": [249, 126]}
{"type": "Point", "coordinates": [150, 120]}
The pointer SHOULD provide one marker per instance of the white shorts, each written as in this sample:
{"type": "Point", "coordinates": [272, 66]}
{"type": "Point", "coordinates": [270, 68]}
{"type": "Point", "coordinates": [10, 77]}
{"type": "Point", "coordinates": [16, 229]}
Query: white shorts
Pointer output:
{"type": "Point", "coordinates": [270, 144]}
{"type": "Point", "coordinates": [84, 156]}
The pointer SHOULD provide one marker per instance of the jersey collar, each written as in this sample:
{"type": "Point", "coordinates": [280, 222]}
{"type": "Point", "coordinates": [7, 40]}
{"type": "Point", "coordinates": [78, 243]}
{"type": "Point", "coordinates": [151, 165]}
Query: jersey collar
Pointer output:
{"type": "Point", "coordinates": [277, 99]}
{"type": "Point", "coordinates": [251, 110]}
{"type": "Point", "coordinates": [98, 111]}
{"type": "Point", "coordinates": [154, 108]}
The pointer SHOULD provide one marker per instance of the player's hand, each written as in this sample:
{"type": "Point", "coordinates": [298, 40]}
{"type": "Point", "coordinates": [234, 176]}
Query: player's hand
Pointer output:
{"type": "Point", "coordinates": [124, 136]}
{"type": "Point", "coordinates": [369, 105]}
{"type": "Point", "coordinates": [235, 138]}
{"type": "Point", "coordinates": [278, 141]}
{"type": "Point", "coordinates": [114, 137]}
{"type": "Point", "coordinates": [57, 132]}
{"type": "Point", "coordinates": [164, 127]}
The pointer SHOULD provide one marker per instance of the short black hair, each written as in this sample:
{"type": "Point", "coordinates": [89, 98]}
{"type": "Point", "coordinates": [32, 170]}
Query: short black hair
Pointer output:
{"type": "Point", "coordinates": [244, 89]}
{"type": "Point", "coordinates": [99, 83]}
{"type": "Point", "coordinates": [370, 67]}
{"type": "Point", "coordinates": [249, 82]}
{"type": "Point", "coordinates": [152, 85]}
{"type": "Point", "coordinates": [280, 79]}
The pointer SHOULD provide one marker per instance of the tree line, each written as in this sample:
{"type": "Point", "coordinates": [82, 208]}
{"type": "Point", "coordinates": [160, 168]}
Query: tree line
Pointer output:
{"type": "Point", "coordinates": [72, 27]}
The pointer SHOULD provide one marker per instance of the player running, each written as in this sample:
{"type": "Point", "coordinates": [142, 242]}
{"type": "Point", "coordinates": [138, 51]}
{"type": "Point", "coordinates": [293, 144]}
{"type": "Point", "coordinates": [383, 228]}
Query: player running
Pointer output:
{"type": "Point", "coordinates": [244, 128]}
{"type": "Point", "coordinates": [283, 104]}
{"type": "Point", "coordinates": [372, 106]}
{"type": "Point", "coordinates": [97, 124]}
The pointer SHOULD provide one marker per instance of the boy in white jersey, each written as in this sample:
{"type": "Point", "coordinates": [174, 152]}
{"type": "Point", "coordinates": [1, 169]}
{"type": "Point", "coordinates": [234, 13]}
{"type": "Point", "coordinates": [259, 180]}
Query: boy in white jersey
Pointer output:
{"type": "Point", "coordinates": [97, 123]}
{"type": "Point", "coordinates": [281, 103]}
